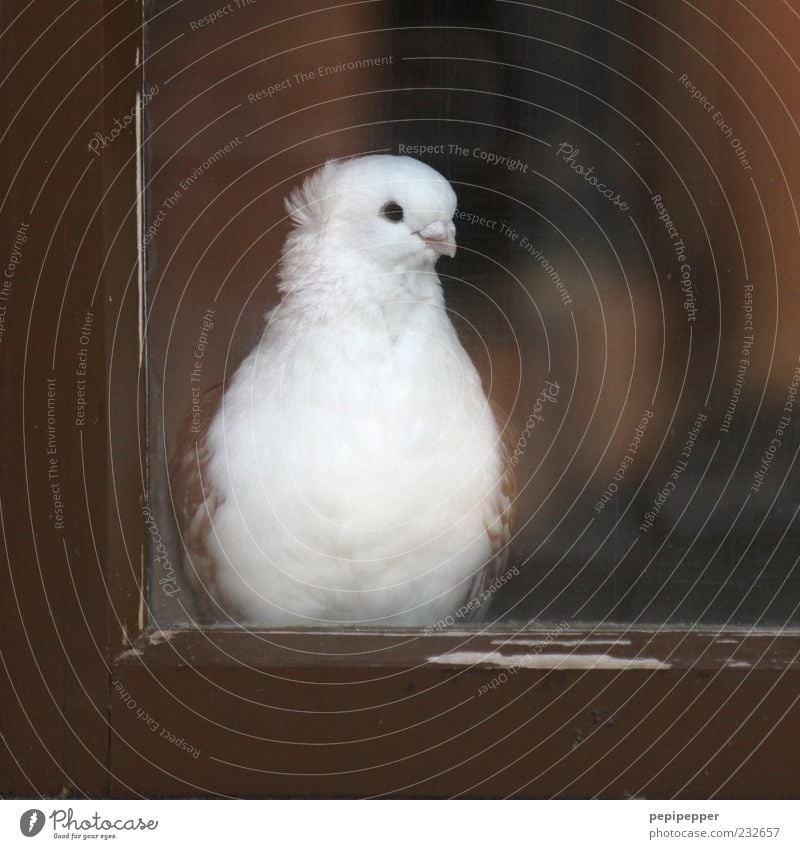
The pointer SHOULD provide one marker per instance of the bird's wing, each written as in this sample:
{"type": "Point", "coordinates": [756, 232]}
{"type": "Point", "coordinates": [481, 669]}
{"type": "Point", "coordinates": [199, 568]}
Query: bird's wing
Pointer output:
{"type": "Point", "coordinates": [499, 531]}
{"type": "Point", "coordinates": [194, 501]}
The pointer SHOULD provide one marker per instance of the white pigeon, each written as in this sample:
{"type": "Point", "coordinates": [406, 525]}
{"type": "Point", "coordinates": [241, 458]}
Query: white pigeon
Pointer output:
{"type": "Point", "coordinates": [353, 471]}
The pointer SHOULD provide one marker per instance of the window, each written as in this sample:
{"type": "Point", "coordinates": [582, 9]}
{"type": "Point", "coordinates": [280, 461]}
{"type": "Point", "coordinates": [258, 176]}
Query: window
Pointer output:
{"type": "Point", "coordinates": [607, 284]}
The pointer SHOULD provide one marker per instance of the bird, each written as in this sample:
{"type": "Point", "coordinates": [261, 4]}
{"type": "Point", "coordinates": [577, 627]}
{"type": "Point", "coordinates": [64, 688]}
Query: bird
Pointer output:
{"type": "Point", "coordinates": [353, 470]}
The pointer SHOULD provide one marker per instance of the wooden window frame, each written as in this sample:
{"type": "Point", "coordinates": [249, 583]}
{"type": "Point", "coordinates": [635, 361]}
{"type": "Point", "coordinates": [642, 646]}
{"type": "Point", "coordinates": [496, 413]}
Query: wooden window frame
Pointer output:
{"type": "Point", "coordinates": [98, 703]}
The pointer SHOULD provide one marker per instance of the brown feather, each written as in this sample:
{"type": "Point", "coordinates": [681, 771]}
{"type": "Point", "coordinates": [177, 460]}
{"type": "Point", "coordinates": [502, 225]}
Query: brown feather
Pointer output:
{"type": "Point", "coordinates": [194, 502]}
{"type": "Point", "coordinates": [499, 531]}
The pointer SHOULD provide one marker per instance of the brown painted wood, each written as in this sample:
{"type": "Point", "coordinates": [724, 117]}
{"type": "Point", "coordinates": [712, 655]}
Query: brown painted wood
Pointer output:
{"type": "Point", "coordinates": [268, 724]}
{"type": "Point", "coordinates": [570, 647]}
{"type": "Point", "coordinates": [94, 703]}
{"type": "Point", "coordinates": [60, 563]}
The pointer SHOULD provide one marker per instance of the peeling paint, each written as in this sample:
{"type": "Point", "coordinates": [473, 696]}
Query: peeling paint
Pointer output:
{"type": "Point", "coordinates": [140, 615]}
{"type": "Point", "coordinates": [573, 660]}
{"type": "Point", "coordinates": [513, 641]}
{"type": "Point", "coordinates": [160, 637]}
{"type": "Point", "coordinates": [139, 217]}
{"type": "Point", "coordinates": [131, 652]}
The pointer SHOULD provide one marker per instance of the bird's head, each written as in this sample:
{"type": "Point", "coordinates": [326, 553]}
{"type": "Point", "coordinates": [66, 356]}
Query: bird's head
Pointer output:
{"type": "Point", "coordinates": [394, 211]}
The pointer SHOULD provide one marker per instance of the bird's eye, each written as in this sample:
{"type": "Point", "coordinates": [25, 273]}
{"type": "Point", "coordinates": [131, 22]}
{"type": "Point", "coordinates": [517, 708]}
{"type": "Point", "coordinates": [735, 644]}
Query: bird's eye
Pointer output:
{"type": "Point", "coordinates": [392, 211]}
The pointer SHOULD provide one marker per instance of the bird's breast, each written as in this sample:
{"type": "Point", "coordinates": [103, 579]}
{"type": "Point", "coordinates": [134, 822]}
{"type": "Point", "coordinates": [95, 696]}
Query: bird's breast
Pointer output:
{"type": "Point", "coordinates": [347, 413]}
{"type": "Point", "coordinates": [344, 449]}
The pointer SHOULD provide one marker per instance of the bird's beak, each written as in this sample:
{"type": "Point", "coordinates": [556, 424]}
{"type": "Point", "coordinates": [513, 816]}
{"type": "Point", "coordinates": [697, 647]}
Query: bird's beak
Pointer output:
{"type": "Point", "coordinates": [441, 237]}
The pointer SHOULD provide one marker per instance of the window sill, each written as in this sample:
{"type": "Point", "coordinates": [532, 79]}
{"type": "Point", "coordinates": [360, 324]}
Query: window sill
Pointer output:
{"type": "Point", "coordinates": [497, 648]}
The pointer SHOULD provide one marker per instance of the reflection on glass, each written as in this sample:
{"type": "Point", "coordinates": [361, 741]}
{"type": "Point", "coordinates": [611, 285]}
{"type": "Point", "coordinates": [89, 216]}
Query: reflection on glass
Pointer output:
{"type": "Point", "coordinates": [625, 234]}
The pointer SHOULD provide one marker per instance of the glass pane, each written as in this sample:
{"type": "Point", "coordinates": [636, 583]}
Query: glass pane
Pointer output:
{"type": "Point", "coordinates": [624, 285]}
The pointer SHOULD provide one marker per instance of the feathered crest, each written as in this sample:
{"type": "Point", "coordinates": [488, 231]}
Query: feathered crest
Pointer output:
{"type": "Point", "coordinates": [308, 204]}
